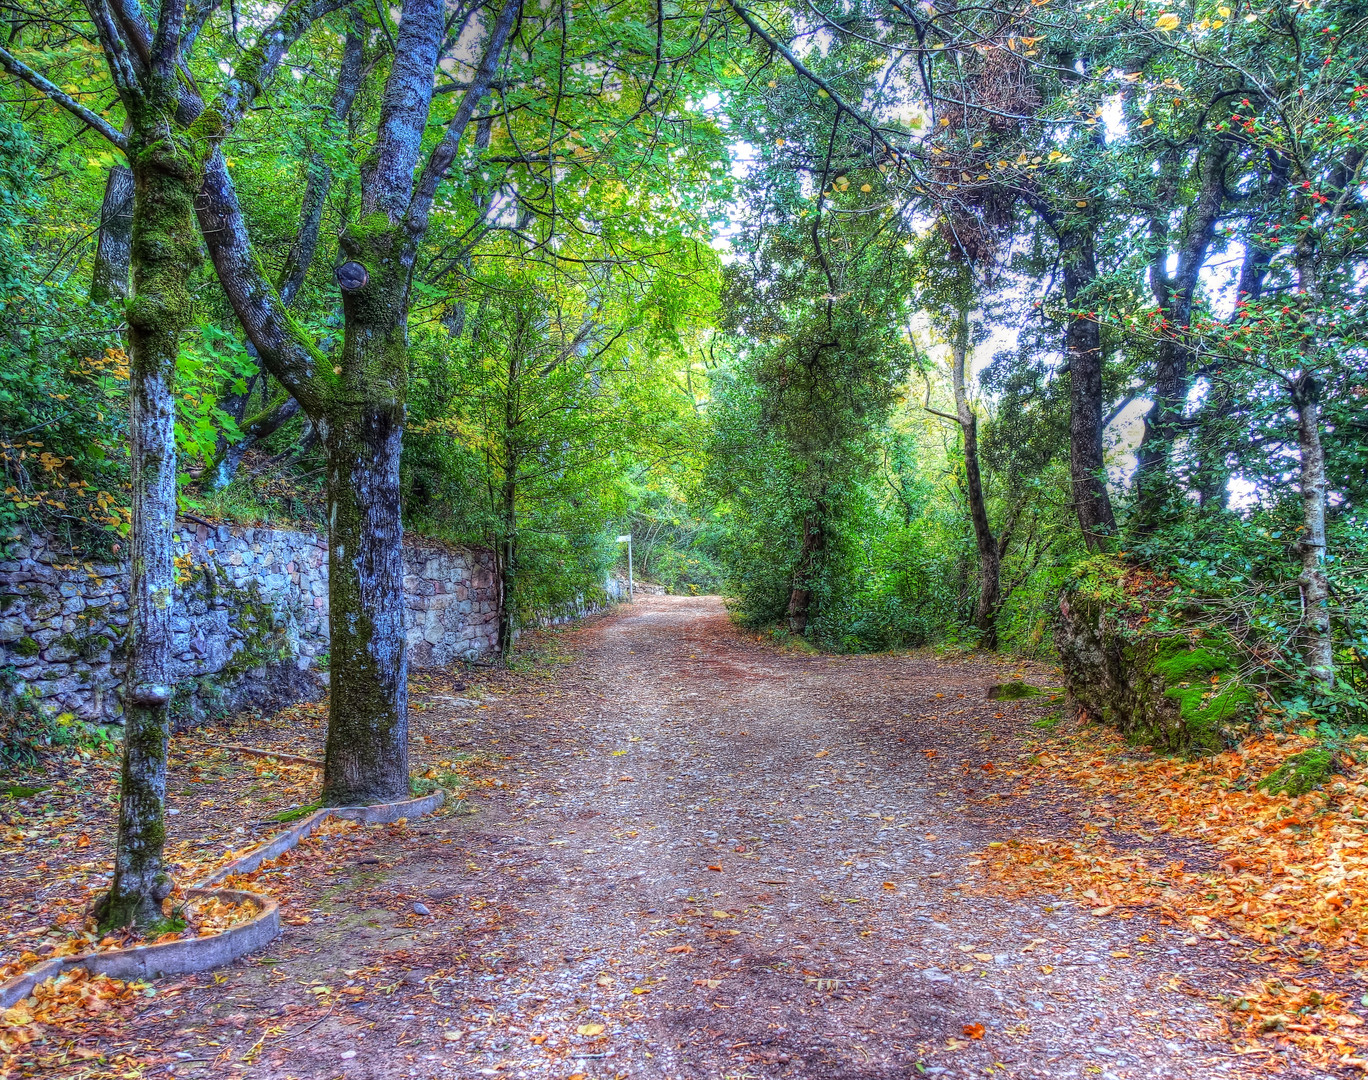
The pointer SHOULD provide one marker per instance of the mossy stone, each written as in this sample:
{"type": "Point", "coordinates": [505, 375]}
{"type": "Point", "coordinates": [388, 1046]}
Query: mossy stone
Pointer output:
{"type": "Point", "coordinates": [1300, 773]}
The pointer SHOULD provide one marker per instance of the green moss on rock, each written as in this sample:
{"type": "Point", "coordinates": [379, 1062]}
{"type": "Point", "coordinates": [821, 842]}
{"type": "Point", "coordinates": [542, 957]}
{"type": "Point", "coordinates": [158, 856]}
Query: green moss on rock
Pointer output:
{"type": "Point", "coordinates": [1300, 773]}
{"type": "Point", "coordinates": [26, 646]}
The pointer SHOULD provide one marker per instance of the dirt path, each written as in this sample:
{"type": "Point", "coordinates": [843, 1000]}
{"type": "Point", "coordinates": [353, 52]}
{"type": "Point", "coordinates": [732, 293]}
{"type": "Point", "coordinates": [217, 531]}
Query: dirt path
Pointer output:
{"type": "Point", "coordinates": [706, 859]}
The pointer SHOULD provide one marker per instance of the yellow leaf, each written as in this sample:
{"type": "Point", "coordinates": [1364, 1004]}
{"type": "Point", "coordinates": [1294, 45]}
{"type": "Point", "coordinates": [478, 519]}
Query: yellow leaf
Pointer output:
{"type": "Point", "coordinates": [1223, 11]}
{"type": "Point", "coordinates": [1167, 21]}
{"type": "Point", "coordinates": [866, 188]}
{"type": "Point", "coordinates": [1147, 121]}
{"type": "Point", "coordinates": [589, 1029]}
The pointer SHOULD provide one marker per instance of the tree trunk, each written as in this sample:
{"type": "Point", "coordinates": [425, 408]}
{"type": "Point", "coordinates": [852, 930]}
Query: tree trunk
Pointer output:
{"type": "Point", "coordinates": [508, 572]}
{"type": "Point", "coordinates": [1173, 293]}
{"type": "Point", "coordinates": [1317, 642]}
{"type": "Point", "coordinates": [800, 598]}
{"type": "Point", "coordinates": [366, 758]}
{"type": "Point", "coordinates": [989, 554]}
{"type": "Point", "coordinates": [1083, 351]}
{"type": "Point", "coordinates": [109, 277]}
{"type": "Point", "coordinates": [164, 249]}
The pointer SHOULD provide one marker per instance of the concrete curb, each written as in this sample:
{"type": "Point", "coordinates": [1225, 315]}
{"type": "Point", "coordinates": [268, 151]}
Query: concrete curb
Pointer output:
{"type": "Point", "coordinates": [379, 814]}
{"type": "Point", "coordinates": [168, 958]}
{"type": "Point", "coordinates": [203, 954]}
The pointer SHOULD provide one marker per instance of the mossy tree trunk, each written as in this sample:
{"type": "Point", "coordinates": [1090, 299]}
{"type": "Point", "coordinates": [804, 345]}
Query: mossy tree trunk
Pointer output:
{"type": "Point", "coordinates": [164, 250]}
{"type": "Point", "coordinates": [357, 401]}
{"type": "Point", "coordinates": [361, 422]}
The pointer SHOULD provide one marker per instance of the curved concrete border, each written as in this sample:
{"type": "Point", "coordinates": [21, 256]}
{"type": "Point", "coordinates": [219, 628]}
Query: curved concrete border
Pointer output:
{"type": "Point", "coordinates": [379, 814]}
{"type": "Point", "coordinates": [201, 954]}
{"type": "Point", "coordinates": [168, 957]}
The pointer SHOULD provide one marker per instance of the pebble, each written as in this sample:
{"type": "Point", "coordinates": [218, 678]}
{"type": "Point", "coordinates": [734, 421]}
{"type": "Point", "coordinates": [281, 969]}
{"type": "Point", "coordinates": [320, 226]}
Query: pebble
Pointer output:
{"type": "Point", "coordinates": [420, 908]}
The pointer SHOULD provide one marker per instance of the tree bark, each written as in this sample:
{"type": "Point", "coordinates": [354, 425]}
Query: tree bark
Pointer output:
{"type": "Point", "coordinates": [800, 598]}
{"type": "Point", "coordinates": [1083, 352]}
{"type": "Point", "coordinates": [989, 551]}
{"type": "Point", "coordinates": [1317, 641]}
{"type": "Point", "coordinates": [164, 249]}
{"type": "Point", "coordinates": [366, 757]}
{"type": "Point", "coordinates": [109, 276]}
{"type": "Point", "coordinates": [357, 403]}
{"type": "Point", "coordinates": [508, 566]}
{"type": "Point", "coordinates": [1173, 293]}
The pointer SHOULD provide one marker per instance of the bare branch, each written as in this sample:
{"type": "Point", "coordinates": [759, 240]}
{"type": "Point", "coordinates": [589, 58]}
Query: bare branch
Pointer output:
{"type": "Point", "coordinates": [23, 72]}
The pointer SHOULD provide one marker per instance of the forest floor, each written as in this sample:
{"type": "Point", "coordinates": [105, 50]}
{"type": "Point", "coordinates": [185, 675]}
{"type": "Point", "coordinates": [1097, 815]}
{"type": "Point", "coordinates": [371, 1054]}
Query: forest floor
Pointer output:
{"type": "Point", "coordinates": [688, 854]}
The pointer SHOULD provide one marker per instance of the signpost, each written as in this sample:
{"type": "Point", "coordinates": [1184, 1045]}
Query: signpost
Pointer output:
{"type": "Point", "coordinates": [626, 538]}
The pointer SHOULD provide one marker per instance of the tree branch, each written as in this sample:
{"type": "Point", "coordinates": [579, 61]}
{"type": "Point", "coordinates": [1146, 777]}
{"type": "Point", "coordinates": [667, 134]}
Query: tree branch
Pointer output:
{"type": "Point", "coordinates": [444, 153]}
{"type": "Point", "coordinates": [24, 73]}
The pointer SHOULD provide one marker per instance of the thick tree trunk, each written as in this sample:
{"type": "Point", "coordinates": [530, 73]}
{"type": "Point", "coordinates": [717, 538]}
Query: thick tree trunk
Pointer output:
{"type": "Point", "coordinates": [109, 277]}
{"type": "Point", "coordinates": [989, 553]}
{"type": "Point", "coordinates": [165, 247]}
{"type": "Point", "coordinates": [800, 598]}
{"type": "Point", "coordinates": [366, 758]}
{"type": "Point", "coordinates": [1317, 642]}
{"type": "Point", "coordinates": [1083, 351]}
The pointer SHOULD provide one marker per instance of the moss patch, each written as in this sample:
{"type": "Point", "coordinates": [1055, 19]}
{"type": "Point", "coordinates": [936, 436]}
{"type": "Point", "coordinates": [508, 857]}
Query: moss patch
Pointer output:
{"type": "Point", "coordinates": [1204, 680]}
{"type": "Point", "coordinates": [1015, 690]}
{"type": "Point", "coordinates": [1300, 773]}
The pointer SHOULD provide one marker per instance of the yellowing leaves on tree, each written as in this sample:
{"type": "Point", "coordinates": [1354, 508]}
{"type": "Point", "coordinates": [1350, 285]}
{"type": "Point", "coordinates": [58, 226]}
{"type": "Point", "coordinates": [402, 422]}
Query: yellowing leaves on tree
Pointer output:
{"type": "Point", "coordinates": [1167, 21]}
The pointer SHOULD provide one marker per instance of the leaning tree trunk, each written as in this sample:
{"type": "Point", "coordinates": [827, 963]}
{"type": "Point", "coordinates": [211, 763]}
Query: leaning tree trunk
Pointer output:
{"type": "Point", "coordinates": [109, 277]}
{"type": "Point", "coordinates": [165, 247]}
{"type": "Point", "coordinates": [1317, 642]}
{"type": "Point", "coordinates": [989, 552]}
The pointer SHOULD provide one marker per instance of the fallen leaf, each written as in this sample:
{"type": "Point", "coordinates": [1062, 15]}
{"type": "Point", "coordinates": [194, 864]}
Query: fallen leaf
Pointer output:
{"type": "Point", "coordinates": [589, 1029]}
{"type": "Point", "coordinates": [974, 1031]}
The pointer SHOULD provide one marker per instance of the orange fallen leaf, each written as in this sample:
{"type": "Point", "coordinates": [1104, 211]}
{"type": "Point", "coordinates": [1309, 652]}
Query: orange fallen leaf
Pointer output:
{"type": "Point", "coordinates": [680, 949]}
{"type": "Point", "coordinates": [821, 753]}
{"type": "Point", "coordinates": [83, 840]}
{"type": "Point", "coordinates": [536, 1040]}
{"type": "Point", "coordinates": [974, 1031]}
{"type": "Point", "coordinates": [717, 868]}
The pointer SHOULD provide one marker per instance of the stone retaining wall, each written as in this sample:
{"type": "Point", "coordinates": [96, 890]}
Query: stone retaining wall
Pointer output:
{"type": "Point", "coordinates": [251, 618]}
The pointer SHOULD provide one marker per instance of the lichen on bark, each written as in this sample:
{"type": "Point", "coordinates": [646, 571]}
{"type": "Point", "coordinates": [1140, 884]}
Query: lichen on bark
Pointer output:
{"type": "Point", "coordinates": [165, 249]}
